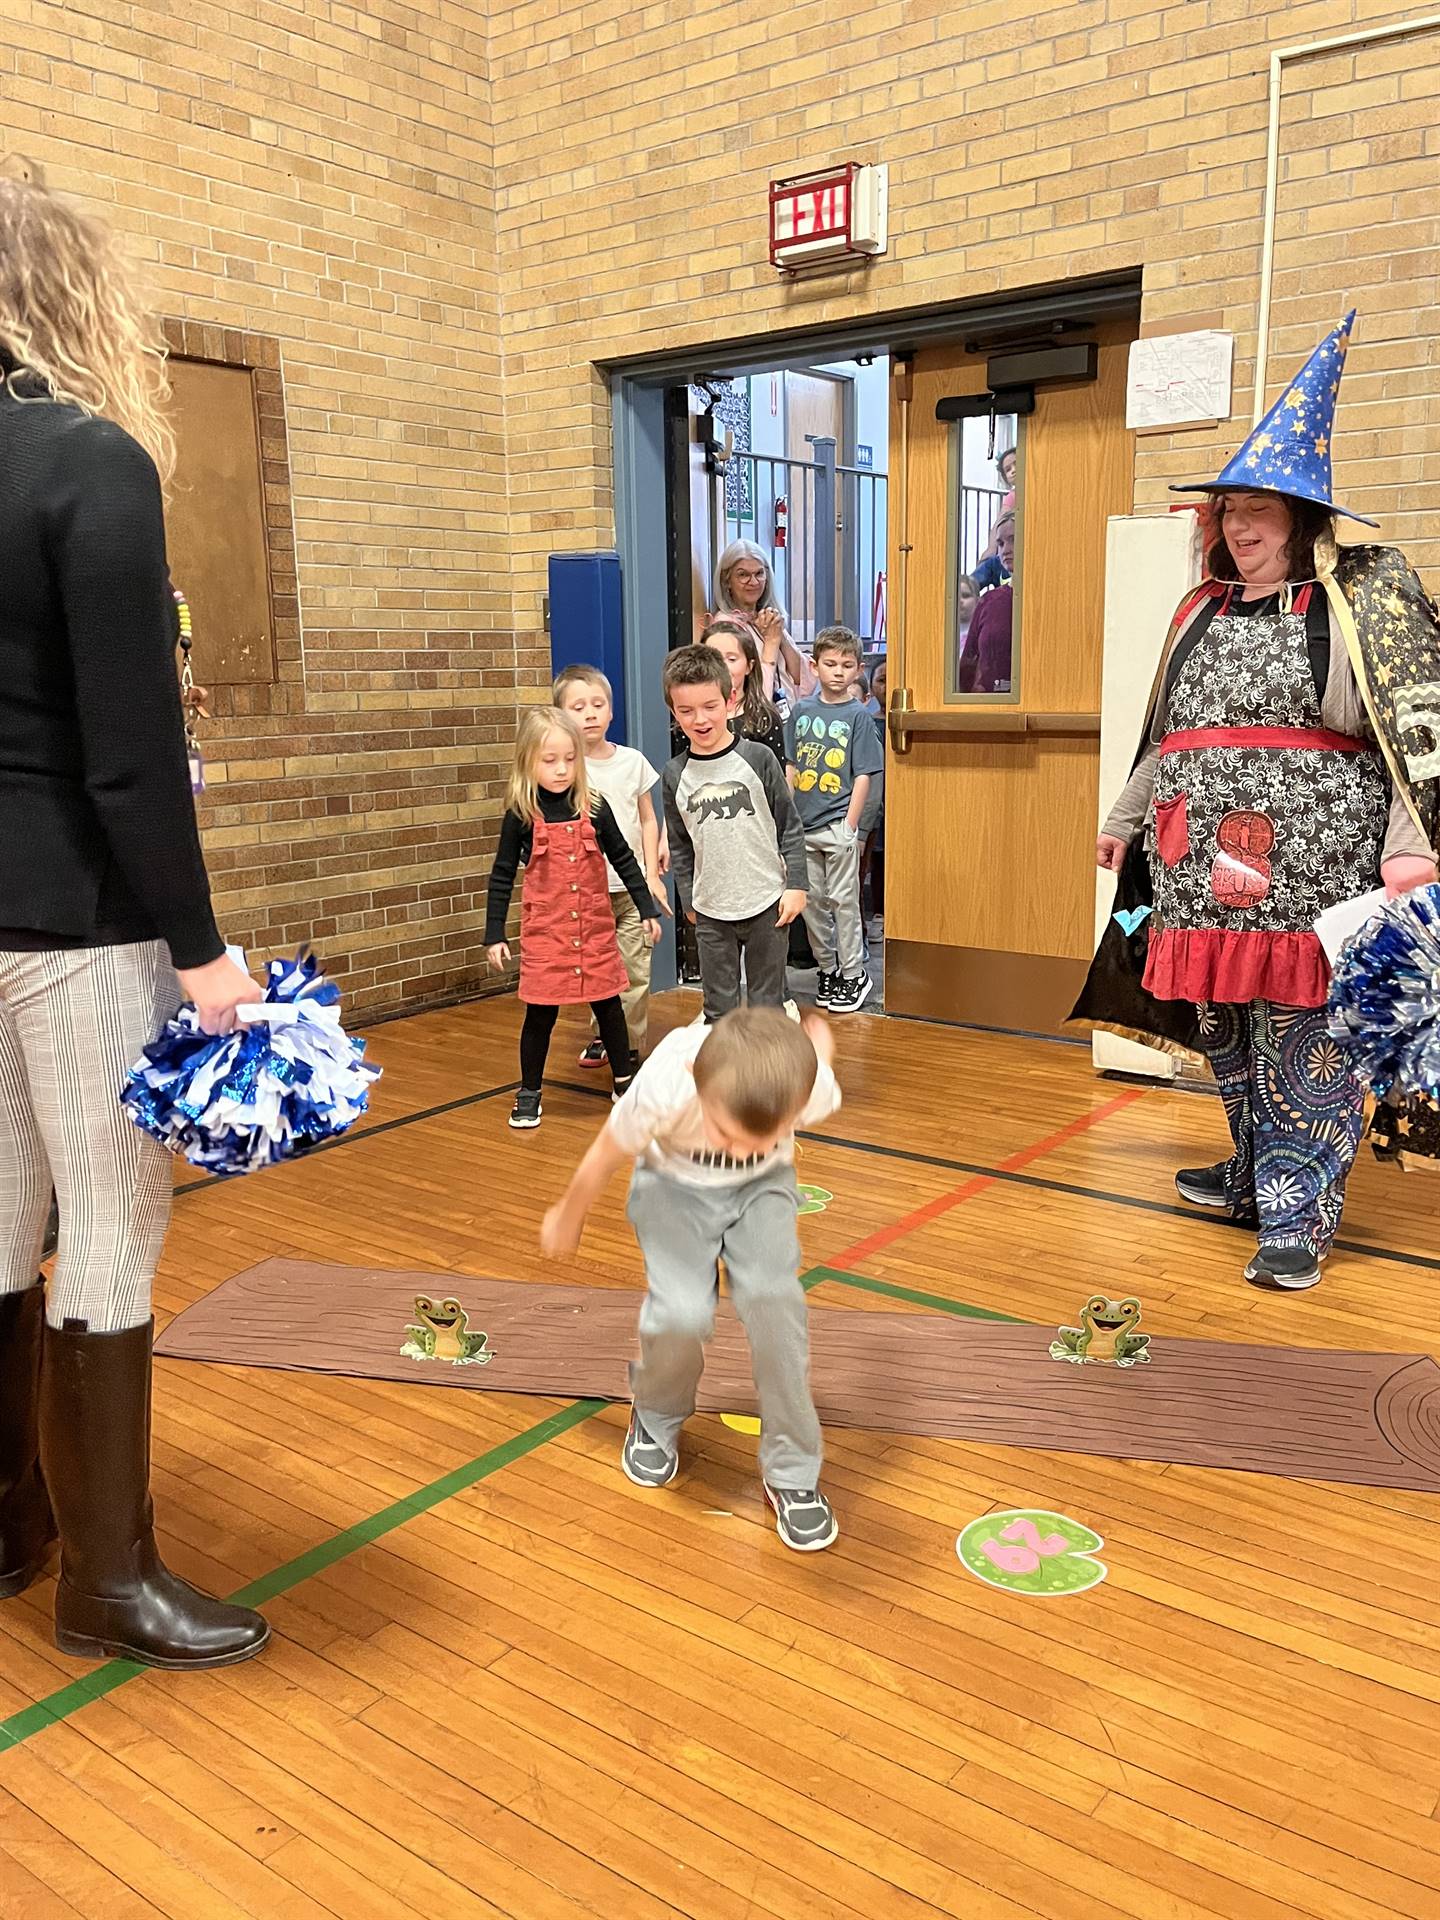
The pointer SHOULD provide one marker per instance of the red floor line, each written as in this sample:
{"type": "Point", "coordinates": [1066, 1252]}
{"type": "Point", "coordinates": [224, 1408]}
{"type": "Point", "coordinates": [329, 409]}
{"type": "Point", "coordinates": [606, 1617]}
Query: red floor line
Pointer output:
{"type": "Point", "coordinates": [942, 1203]}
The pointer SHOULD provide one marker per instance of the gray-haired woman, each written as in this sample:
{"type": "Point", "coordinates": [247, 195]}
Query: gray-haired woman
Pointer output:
{"type": "Point", "coordinates": [745, 585]}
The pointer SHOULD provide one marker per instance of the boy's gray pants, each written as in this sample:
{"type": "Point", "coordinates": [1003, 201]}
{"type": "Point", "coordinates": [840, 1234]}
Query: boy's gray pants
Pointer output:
{"type": "Point", "coordinates": [683, 1230]}
{"type": "Point", "coordinates": [832, 905]}
{"type": "Point", "coordinates": [764, 945]}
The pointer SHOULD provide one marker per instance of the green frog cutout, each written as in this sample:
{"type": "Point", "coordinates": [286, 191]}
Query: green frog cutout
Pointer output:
{"type": "Point", "coordinates": [1105, 1336]}
{"type": "Point", "coordinates": [443, 1334]}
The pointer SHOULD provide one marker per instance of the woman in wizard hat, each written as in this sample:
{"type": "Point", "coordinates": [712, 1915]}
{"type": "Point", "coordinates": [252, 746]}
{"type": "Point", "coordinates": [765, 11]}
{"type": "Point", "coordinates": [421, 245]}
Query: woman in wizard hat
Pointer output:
{"type": "Point", "coordinates": [1281, 772]}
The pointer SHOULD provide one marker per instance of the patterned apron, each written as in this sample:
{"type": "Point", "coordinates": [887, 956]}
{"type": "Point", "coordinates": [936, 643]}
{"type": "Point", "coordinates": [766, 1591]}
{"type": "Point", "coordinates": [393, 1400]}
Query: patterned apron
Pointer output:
{"type": "Point", "coordinates": [1263, 819]}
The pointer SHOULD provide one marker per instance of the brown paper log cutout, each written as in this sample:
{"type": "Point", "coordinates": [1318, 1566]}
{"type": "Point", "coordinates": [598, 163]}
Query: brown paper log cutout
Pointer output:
{"type": "Point", "coordinates": [1372, 1419]}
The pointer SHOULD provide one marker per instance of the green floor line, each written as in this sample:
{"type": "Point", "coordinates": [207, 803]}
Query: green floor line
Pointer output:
{"type": "Point", "coordinates": [115, 1673]}
{"type": "Point", "coordinates": [817, 1275]}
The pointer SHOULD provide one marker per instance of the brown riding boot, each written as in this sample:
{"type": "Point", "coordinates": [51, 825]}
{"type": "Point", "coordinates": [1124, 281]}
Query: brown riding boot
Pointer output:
{"type": "Point", "coordinates": [116, 1598]}
{"type": "Point", "coordinates": [27, 1527]}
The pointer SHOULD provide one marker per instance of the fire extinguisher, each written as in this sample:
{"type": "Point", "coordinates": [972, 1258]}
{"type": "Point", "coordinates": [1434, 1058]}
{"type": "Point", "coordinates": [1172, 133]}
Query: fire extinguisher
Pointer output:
{"type": "Point", "coordinates": [782, 519]}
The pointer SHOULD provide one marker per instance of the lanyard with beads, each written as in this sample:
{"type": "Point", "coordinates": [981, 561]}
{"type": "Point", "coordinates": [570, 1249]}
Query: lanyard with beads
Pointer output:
{"type": "Point", "coordinates": [189, 700]}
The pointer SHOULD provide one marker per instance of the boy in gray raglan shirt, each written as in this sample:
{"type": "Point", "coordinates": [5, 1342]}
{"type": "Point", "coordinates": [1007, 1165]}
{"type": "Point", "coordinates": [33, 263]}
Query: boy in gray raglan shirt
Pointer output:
{"type": "Point", "coordinates": [736, 848]}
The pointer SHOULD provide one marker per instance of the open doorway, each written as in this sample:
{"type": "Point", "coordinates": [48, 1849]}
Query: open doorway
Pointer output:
{"type": "Point", "coordinates": [711, 443]}
{"type": "Point", "coordinates": [785, 493]}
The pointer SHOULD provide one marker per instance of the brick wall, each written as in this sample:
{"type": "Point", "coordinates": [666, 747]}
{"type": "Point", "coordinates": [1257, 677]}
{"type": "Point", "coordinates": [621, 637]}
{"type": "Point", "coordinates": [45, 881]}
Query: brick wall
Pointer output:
{"type": "Point", "coordinates": [322, 176]}
{"type": "Point", "coordinates": [1026, 145]}
{"type": "Point", "coordinates": [396, 192]}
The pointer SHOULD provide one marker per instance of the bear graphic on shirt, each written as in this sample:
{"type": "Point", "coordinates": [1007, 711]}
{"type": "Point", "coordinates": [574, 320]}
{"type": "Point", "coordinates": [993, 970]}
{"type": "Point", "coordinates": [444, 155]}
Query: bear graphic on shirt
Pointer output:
{"type": "Point", "coordinates": [723, 800]}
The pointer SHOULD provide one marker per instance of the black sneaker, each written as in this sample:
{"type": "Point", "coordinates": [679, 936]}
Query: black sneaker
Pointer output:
{"type": "Point", "coordinates": [825, 985]}
{"type": "Point", "coordinates": [527, 1109]}
{"type": "Point", "coordinates": [620, 1088]}
{"type": "Point", "coordinates": [849, 996]}
{"type": "Point", "coordinates": [644, 1460]}
{"type": "Point", "coordinates": [1284, 1269]}
{"type": "Point", "coordinates": [804, 1519]}
{"type": "Point", "coordinates": [594, 1054]}
{"type": "Point", "coordinates": [1203, 1187]}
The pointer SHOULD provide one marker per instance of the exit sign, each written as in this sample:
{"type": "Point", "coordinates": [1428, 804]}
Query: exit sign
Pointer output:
{"type": "Point", "coordinates": [837, 214]}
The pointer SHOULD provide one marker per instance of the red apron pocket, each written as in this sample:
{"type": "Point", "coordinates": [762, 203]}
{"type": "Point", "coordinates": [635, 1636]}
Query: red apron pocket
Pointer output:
{"type": "Point", "coordinates": [1172, 830]}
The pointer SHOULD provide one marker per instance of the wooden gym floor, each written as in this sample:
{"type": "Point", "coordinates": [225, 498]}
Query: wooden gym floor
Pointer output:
{"type": "Point", "coordinates": [506, 1682]}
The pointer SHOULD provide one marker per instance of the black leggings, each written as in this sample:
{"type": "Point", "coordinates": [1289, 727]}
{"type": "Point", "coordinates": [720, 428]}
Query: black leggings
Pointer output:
{"type": "Point", "coordinates": [540, 1024]}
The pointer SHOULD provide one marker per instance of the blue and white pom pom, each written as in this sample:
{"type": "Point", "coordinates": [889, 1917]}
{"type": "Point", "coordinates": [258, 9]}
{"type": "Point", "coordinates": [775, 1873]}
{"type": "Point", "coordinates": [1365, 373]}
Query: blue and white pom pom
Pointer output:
{"type": "Point", "coordinates": [1385, 996]}
{"type": "Point", "coordinates": [287, 1079]}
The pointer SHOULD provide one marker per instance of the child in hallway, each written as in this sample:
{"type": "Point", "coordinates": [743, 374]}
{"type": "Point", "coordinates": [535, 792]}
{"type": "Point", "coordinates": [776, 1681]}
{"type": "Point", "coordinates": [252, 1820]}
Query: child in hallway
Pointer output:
{"type": "Point", "coordinates": [710, 1126]}
{"type": "Point", "coordinates": [624, 779]}
{"type": "Point", "coordinates": [562, 835]}
{"type": "Point", "coordinates": [736, 849]}
{"type": "Point", "coordinates": [834, 753]}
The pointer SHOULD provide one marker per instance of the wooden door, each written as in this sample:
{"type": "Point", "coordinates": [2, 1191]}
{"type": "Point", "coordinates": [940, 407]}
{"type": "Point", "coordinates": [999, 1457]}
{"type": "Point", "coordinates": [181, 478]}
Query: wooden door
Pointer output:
{"type": "Point", "coordinates": [990, 814]}
{"type": "Point", "coordinates": [814, 405]}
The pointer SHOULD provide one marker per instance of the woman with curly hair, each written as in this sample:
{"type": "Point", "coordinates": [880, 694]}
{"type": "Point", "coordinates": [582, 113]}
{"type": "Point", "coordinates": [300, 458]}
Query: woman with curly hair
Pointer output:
{"type": "Point", "coordinates": [103, 897]}
{"type": "Point", "coordinates": [1273, 783]}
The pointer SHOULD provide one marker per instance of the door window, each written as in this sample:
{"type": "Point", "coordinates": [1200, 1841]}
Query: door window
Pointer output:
{"type": "Point", "coordinates": [986, 490]}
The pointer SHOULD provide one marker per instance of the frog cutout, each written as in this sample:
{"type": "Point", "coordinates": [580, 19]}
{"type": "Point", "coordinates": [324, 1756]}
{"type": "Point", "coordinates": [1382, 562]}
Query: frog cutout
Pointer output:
{"type": "Point", "coordinates": [443, 1334]}
{"type": "Point", "coordinates": [1106, 1335]}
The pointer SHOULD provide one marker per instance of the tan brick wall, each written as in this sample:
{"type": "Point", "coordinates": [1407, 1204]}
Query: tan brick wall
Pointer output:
{"type": "Point", "coordinates": [1025, 146]}
{"type": "Point", "coordinates": [396, 192]}
{"type": "Point", "coordinates": [323, 175]}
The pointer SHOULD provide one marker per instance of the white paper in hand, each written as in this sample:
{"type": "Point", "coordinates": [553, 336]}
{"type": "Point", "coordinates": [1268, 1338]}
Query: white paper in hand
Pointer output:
{"type": "Point", "coordinates": [1341, 923]}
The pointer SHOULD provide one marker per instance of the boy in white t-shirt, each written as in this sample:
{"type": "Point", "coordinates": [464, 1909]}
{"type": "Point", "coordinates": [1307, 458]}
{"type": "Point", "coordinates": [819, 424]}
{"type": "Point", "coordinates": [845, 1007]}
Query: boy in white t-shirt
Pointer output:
{"type": "Point", "coordinates": [709, 1122]}
{"type": "Point", "coordinates": [624, 778]}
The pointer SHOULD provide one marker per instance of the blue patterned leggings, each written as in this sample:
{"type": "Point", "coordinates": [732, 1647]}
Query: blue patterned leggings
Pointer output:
{"type": "Point", "coordinates": [1296, 1116]}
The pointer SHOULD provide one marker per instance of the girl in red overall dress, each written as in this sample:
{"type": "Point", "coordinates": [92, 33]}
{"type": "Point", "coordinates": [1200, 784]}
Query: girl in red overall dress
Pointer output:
{"type": "Point", "coordinates": [1269, 800]}
{"type": "Point", "coordinates": [562, 836]}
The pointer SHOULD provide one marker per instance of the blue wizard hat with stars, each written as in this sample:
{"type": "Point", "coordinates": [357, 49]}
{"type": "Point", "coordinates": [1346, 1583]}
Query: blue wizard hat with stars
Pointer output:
{"type": "Point", "coordinates": [1289, 452]}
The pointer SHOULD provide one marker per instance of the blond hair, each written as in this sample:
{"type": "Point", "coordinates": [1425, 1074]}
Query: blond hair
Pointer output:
{"type": "Point", "coordinates": [71, 314]}
{"type": "Point", "coordinates": [759, 1065]}
{"type": "Point", "coordinates": [523, 790]}
{"type": "Point", "coordinates": [580, 676]}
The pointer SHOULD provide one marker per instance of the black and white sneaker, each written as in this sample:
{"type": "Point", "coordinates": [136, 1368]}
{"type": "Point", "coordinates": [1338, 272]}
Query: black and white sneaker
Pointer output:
{"type": "Point", "coordinates": [848, 996]}
{"type": "Point", "coordinates": [804, 1518]}
{"type": "Point", "coordinates": [1203, 1187]}
{"type": "Point", "coordinates": [1284, 1269]}
{"type": "Point", "coordinates": [594, 1054]}
{"type": "Point", "coordinates": [620, 1088]}
{"type": "Point", "coordinates": [825, 985]}
{"type": "Point", "coordinates": [644, 1460]}
{"type": "Point", "coordinates": [527, 1110]}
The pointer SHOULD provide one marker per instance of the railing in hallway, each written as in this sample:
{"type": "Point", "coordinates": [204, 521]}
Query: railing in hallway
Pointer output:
{"type": "Point", "coordinates": [821, 526]}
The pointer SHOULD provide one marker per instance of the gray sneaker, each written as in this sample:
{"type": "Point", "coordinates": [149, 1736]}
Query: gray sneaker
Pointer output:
{"type": "Point", "coordinates": [644, 1460]}
{"type": "Point", "coordinates": [803, 1520]}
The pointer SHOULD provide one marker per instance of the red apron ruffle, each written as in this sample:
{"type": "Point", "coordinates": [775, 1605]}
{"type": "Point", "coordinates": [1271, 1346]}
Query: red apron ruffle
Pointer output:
{"type": "Point", "coordinates": [1212, 963]}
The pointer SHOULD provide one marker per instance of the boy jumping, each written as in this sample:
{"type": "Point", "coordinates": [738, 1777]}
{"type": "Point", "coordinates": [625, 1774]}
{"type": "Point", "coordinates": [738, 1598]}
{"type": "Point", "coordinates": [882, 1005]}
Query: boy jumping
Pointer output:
{"type": "Point", "coordinates": [709, 1122]}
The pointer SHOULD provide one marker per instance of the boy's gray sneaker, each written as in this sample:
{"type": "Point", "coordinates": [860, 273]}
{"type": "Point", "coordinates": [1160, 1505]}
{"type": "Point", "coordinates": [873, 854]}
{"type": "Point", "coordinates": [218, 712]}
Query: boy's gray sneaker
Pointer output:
{"type": "Point", "coordinates": [644, 1460]}
{"type": "Point", "coordinates": [804, 1520]}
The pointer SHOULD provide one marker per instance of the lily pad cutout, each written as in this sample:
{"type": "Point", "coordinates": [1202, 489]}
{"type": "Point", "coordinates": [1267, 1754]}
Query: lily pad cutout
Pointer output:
{"type": "Point", "coordinates": [814, 1199]}
{"type": "Point", "coordinates": [1027, 1550]}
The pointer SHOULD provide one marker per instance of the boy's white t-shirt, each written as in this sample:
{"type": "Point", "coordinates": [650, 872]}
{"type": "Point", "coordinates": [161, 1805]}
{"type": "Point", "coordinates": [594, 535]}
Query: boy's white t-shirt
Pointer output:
{"type": "Point", "coordinates": [659, 1119]}
{"type": "Point", "coordinates": [623, 779]}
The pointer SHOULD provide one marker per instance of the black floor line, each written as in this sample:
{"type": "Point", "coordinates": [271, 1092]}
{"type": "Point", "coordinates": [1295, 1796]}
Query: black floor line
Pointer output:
{"type": "Point", "coordinates": [1134, 1202]}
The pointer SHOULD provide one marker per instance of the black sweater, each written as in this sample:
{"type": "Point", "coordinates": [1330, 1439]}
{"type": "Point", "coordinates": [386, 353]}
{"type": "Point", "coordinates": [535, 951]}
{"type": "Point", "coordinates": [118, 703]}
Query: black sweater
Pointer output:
{"type": "Point", "coordinates": [517, 838]}
{"type": "Point", "coordinates": [98, 842]}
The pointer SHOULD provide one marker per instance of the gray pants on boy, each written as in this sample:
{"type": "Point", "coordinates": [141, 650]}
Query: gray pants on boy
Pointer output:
{"type": "Point", "coordinates": [832, 905]}
{"type": "Point", "coordinates": [765, 947]}
{"type": "Point", "coordinates": [683, 1230]}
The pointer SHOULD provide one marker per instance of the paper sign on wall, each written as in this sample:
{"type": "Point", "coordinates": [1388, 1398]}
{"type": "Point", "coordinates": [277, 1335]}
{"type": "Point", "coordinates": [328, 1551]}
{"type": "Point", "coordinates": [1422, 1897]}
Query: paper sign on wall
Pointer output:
{"type": "Point", "coordinates": [1176, 379]}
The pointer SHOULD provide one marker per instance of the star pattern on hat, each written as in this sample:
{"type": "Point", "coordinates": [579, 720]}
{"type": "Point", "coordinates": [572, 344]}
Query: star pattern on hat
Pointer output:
{"type": "Point", "coordinates": [1289, 451]}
